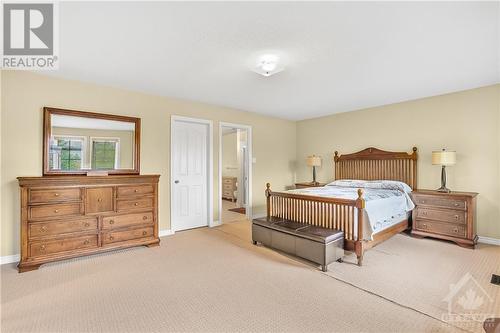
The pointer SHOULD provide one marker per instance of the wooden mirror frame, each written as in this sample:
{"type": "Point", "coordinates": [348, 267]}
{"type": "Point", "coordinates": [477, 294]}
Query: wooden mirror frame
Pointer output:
{"type": "Point", "coordinates": [48, 112]}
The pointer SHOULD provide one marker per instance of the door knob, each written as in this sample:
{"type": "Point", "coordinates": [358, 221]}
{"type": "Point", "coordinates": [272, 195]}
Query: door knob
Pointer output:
{"type": "Point", "coordinates": [176, 181]}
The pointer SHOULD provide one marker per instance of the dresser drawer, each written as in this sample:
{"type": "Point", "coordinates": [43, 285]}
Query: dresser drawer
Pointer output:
{"type": "Point", "coordinates": [126, 205]}
{"type": "Point", "coordinates": [449, 229]}
{"type": "Point", "coordinates": [55, 210]}
{"type": "Point", "coordinates": [120, 236]}
{"type": "Point", "coordinates": [61, 227]}
{"type": "Point", "coordinates": [440, 202]}
{"type": "Point", "coordinates": [453, 216]}
{"type": "Point", "coordinates": [228, 180]}
{"type": "Point", "coordinates": [227, 193]}
{"type": "Point", "coordinates": [120, 221]}
{"type": "Point", "coordinates": [99, 200]}
{"type": "Point", "coordinates": [54, 195]}
{"type": "Point", "coordinates": [42, 248]}
{"type": "Point", "coordinates": [124, 191]}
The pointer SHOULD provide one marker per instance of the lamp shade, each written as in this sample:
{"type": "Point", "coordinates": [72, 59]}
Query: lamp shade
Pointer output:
{"type": "Point", "coordinates": [444, 157]}
{"type": "Point", "coordinates": [314, 161]}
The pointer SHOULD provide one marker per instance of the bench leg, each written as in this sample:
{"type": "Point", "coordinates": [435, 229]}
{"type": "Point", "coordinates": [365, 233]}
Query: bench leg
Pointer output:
{"type": "Point", "coordinates": [324, 268]}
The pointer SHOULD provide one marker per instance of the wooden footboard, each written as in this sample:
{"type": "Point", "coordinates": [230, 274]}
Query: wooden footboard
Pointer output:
{"type": "Point", "coordinates": [332, 213]}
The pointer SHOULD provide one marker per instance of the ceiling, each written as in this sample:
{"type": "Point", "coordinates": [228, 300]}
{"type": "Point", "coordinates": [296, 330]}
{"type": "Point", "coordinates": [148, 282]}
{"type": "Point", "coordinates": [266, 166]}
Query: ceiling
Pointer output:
{"type": "Point", "coordinates": [338, 56]}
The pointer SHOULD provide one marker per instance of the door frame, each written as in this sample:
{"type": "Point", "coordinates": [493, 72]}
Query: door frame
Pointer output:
{"type": "Point", "coordinates": [248, 128]}
{"type": "Point", "coordinates": [210, 163]}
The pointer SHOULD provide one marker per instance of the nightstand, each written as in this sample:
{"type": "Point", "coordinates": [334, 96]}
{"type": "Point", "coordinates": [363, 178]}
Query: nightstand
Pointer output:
{"type": "Point", "coordinates": [309, 184]}
{"type": "Point", "coordinates": [449, 216]}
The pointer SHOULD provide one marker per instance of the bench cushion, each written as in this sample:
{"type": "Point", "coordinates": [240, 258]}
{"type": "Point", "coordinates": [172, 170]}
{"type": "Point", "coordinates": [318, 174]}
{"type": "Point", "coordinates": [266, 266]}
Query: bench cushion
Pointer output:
{"type": "Point", "coordinates": [317, 234]}
{"type": "Point", "coordinates": [267, 222]}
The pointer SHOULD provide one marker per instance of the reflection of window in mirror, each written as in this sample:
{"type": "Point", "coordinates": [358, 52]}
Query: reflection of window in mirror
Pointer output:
{"type": "Point", "coordinates": [77, 142]}
{"type": "Point", "coordinates": [67, 152]}
{"type": "Point", "coordinates": [105, 153]}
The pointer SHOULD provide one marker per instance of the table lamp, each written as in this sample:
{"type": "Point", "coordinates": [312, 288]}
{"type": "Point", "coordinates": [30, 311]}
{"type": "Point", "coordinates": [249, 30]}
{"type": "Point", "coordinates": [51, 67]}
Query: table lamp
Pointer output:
{"type": "Point", "coordinates": [314, 161]}
{"type": "Point", "coordinates": [443, 158]}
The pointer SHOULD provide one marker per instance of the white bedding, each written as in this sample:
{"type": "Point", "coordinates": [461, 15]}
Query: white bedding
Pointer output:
{"type": "Point", "coordinates": [384, 207]}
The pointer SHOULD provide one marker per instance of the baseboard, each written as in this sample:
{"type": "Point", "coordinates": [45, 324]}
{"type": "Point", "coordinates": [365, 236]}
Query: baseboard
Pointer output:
{"type": "Point", "coordinates": [259, 215]}
{"type": "Point", "coordinates": [9, 259]}
{"type": "Point", "coordinates": [215, 224]}
{"type": "Point", "coordinates": [166, 232]}
{"type": "Point", "coordinates": [488, 240]}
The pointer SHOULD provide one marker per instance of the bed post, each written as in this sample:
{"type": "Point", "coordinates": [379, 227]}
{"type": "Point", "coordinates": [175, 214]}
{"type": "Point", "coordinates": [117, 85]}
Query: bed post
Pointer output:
{"type": "Point", "coordinates": [358, 245]}
{"type": "Point", "coordinates": [268, 200]}
{"type": "Point", "coordinates": [414, 179]}
{"type": "Point", "coordinates": [336, 160]}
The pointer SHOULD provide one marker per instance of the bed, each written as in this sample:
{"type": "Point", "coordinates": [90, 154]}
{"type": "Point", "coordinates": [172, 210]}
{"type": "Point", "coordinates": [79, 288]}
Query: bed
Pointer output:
{"type": "Point", "coordinates": [367, 200]}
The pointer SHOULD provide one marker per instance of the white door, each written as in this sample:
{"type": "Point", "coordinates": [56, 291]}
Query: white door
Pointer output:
{"type": "Point", "coordinates": [189, 175]}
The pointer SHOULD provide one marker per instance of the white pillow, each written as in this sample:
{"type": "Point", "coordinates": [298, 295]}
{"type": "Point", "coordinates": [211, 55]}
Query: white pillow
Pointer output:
{"type": "Point", "coordinates": [375, 184]}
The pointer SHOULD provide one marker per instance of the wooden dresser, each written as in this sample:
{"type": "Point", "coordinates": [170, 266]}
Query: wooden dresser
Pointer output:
{"type": "Point", "coordinates": [228, 188]}
{"type": "Point", "coordinates": [72, 216]}
{"type": "Point", "coordinates": [450, 216]}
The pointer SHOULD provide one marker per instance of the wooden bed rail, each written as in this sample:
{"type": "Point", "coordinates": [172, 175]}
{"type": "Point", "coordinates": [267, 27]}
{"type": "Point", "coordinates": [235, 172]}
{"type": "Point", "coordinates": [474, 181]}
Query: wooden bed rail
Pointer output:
{"type": "Point", "coordinates": [331, 213]}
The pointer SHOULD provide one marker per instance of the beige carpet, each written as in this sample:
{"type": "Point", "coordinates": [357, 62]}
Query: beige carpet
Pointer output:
{"type": "Point", "coordinates": [417, 273]}
{"type": "Point", "coordinates": [199, 280]}
{"type": "Point", "coordinates": [229, 216]}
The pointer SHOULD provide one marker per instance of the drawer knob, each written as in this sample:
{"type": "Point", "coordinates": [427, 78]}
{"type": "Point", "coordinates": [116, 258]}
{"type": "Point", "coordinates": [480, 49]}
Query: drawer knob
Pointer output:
{"type": "Point", "coordinates": [56, 210]}
{"type": "Point", "coordinates": [111, 238]}
{"type": "Point", "coordinates": [144, 217]}
{"type": "Point", "coordinates": [86, 242]}
{"type": "Point", "coordinates": [42, 247]}
{"type": "Point", "coordinates": [136, 190]}
{"type": "Point", "coordinates": [56, 194]}
{"type": "Point", "coordinates": [423, 201]}
{"type": "Point", "coordinates": [87, 224]}
{"type": "Point", "coordinates": [455, 204]}
{"type": "Point", "coordinates": [43, 228]}
{"type": "Point", "coordinates": [136, 204]}
{"type": "Point", "coordinates": [144, 233]}
{"type": "Point", "coordinates": [456, 217]}
{"type": "Point", "coordinates": [111, 221]}
{"type": "Point", "coordinates": [455, 230]}
{"type": "Point", "coordinates": [424, 225]}
{"type": "Point", "coordinates": [99, 200]}
{"type": "Point", "coordinates": [424, 213]}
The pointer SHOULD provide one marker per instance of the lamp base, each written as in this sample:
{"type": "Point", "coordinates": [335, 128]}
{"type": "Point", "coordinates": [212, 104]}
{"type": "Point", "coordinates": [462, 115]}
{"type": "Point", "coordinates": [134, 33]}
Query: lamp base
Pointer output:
{"type": "Point", "coordinates": [443, 189]}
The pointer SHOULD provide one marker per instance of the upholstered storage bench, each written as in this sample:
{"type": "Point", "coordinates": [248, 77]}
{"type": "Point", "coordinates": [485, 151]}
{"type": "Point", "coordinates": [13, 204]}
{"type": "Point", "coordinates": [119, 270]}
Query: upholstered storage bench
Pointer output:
{"type": "Point", "coordinates": [320, 245]}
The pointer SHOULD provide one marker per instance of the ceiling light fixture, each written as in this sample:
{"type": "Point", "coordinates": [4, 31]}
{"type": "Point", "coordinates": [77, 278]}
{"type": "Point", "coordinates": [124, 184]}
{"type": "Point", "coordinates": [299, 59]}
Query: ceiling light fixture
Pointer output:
{"type": "Point", "coordinates": [267, 65]}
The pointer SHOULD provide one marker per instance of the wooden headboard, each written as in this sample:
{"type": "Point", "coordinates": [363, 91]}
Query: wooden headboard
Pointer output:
{"type": "Point", "coordinates": [373, 164]}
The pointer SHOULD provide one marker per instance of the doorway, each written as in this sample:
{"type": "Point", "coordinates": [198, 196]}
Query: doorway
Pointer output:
{"type": "Point", "coordinates": [191, 194]}
{"type": "Point", "coordinates": [235, 172]}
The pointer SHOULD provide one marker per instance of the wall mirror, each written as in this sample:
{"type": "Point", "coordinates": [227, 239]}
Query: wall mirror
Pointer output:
{"type": "Point", "coordinates": [77, 142]}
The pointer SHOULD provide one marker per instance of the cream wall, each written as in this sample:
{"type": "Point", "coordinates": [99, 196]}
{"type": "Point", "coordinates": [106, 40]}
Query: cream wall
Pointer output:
{"type": "Point", "coordinates": [468, 122]}
{"type": "Point", "coordinates": [25, 93]}
{"type": "Point", "coordinates": [230, 166]}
